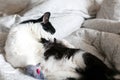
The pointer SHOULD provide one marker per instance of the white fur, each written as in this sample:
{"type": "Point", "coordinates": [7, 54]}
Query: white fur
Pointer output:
{"type": "Point", "coordinates": [23, 47]}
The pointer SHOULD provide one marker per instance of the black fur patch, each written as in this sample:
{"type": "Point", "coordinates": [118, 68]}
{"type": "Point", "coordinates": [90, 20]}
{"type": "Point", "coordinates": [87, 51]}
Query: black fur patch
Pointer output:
{"type": "Point", "coordinates": [59, 51]}
{"type": "Point", "coordinates": [95, 69]}
{"type": "Point", "coordinates": [32, 21]}
{"type": "Point", "coordinates": [48, 27]}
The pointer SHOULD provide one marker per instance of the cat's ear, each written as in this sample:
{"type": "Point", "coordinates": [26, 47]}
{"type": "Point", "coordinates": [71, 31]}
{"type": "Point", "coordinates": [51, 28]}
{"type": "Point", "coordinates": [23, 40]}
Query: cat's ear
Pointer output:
{"type": "Point", "coordinates": [47, 26]}
{"type": "Point", "coordinates": [45, 18]}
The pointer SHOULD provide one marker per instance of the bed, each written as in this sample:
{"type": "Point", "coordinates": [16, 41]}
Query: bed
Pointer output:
{"type": "Point", "coordinates": [92, 25]}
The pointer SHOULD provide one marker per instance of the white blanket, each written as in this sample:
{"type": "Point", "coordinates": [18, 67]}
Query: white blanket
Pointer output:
{"type": "Point", "coordinates": [66, 21]}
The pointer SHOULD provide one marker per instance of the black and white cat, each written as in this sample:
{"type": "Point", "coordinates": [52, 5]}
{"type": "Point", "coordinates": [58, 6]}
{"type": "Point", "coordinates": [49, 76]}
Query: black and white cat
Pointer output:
{"type": "Point", "coordinates": [32, 42]}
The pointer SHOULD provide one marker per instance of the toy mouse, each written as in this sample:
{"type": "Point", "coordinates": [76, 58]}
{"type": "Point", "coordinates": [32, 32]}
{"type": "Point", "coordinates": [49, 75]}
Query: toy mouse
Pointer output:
{"type": "Point", "coordinates": [34, 71]}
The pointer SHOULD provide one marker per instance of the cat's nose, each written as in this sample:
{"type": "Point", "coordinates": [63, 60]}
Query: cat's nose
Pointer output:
{"type": "Point", "coordinates": [38, 71]}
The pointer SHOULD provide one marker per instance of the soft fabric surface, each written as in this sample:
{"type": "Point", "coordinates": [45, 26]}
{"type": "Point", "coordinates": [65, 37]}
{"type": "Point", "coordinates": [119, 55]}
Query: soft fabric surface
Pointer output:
{"type": "Point", "coordinates": [94, 7]}
{"type": "Point", "coordinates": [67, 19]}
{"type": "Point", "coordinates": [13, 6]}
{"type": "Point", "coordinates": [103, 25]}
{"type": "Point", "coordinates": [104, 45]}
{"type": "Point", "coordinates": [109, 10]}
{"type": "Point", "coordinates": [67, 15]}
{"type": "Point", "coordinates": [7, 72]}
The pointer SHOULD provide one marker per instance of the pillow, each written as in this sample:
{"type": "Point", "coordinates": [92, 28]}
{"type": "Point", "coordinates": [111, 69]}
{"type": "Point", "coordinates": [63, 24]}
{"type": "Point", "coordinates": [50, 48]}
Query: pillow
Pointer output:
{"type": "Point", "coordinates": [12, 6]}
{"type": "Point", "coordinates": [94, 7]}
{"type": "Point", "coordinates": [66, 15]}
{"type": "Point", "coordinates": [110, 9]}
{"type": "Point", "coordinates": [59, 6]}
{"type": "Point", "coordinates": [105, 25]}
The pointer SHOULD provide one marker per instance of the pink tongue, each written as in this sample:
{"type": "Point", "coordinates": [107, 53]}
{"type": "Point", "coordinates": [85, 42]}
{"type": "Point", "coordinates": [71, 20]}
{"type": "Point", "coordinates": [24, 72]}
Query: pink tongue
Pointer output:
{"type": "Point", "coordinates": [38, 71]}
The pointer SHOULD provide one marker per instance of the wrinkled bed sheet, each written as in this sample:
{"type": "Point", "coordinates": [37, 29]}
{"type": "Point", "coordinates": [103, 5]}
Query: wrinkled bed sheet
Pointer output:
{"type": "Point", "coordinates": [102, 41]}
{"type": "Point", "coordinates": [104, 45]}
